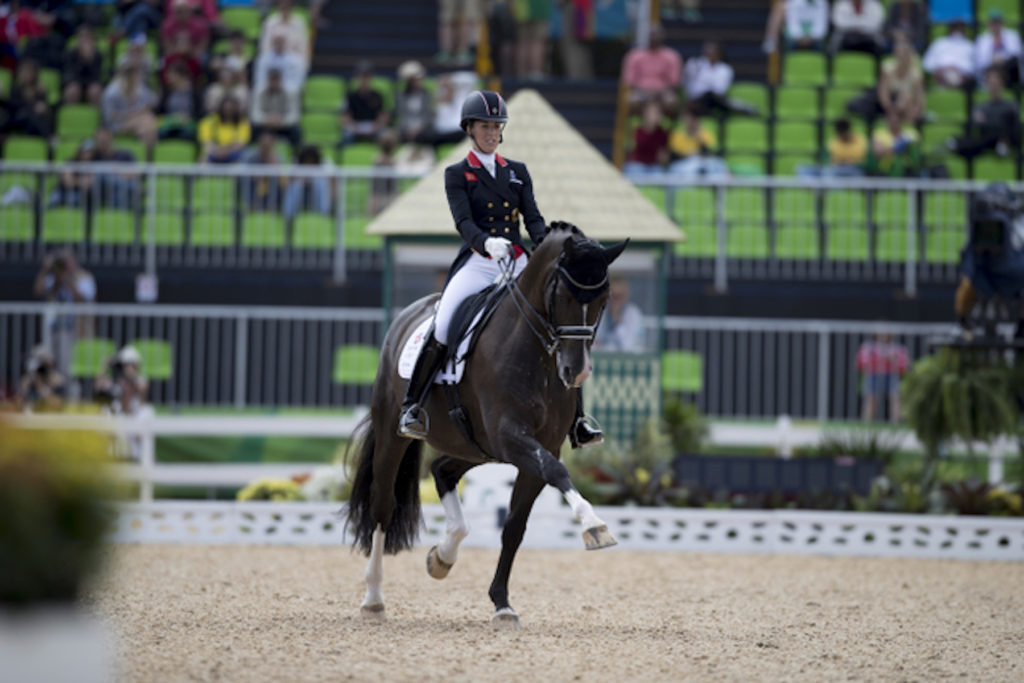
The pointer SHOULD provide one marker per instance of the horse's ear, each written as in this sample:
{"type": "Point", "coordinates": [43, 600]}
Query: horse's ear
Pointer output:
{"type": "Point", "coordinates": [611, 253]}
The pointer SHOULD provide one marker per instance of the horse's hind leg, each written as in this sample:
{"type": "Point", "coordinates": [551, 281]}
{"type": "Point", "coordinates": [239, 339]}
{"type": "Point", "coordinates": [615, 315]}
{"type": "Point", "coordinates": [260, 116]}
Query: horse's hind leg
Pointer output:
{"type": "Point", "coordinates": [524, 493]}
{"type": "Point", "coordinates": [373, 603]}
{"type": "Point", "coordinates": [447, 472]}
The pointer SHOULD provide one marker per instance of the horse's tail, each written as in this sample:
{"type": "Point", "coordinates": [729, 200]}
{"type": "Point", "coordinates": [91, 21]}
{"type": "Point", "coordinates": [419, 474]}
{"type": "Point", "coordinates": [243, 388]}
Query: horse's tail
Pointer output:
{"type": "Point", "coordinates": [404, 526]}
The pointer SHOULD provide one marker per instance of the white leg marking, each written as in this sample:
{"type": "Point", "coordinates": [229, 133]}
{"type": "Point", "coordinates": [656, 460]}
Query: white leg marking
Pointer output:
{"type": "Point", "coordinates": [455, 527]}
{"type": "Point", "coordinates": [374, 600]}
{"type": "Point", "coordinates": [582, 511]}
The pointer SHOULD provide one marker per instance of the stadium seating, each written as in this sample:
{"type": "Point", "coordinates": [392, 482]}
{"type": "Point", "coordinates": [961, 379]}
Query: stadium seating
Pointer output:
{"type": "Point", "coordinates": [77, 121]}
{"type": "Point", "coordinates": [797, 103]}
{"type": "Point", "coordinates": [6, 78]}
{"type": "Point", "coordinates": [64, 224]}
{"type": "Point", "coordinates": [746, 135]}
{"type": "Point", "coordinates": [320, 128]}
{"type": "Point", "coordinates": [854, 70]}
{"type": "Point", "coordinates": [89, 356]}
{"type": "Point", "coordinates": [213, 230]}
{"type": "Point", "coordinates": [797, 242]}
{"type": "Point", "coordinates": [17, 223]}
{"type": "Point", "coordinates": [22, 148]}
{"type": "Point", "coordinates": [263, 229]}
{"type": "Point", "coordinates": [210, 193]}
{"type": "Point", "coordinates": [804, 68]}
{"type": "Point", "coordinates": [845, 208]}
{"type": "Point", "coordinates": [847, 244]}
{"type": "Point", "coordinates": [245, 19]}
{"type": "Point", "coordinates": [355, 234]}
{"type": "Point", "coordinates": [356, 364]}
{"type": "Point", "coordinates": [313, 231]}
{"type": "Point", "coordinates": [174, 152]}
{"type": "Point", "coordinates": [947, 105]}
{"type": "Point", "coordinates": [695, 214]}
{"type": "Point", "coordinates": [795, 136]}
{"type": "Point", "coordinates": [323, 93]}
{"type": "Point", "coordinates": [682, 371]}
{"type": "Point", "coordinates": [169, 228]}
{"type": "Point", "coordinates": [795, 207]}
{"type": "Point", "coordinates": [944, 244]}
{"type": "Point", "coordinates": [836, 99]}
{"type": "Point", "coordinates": [891, 245]}
{"type": "Point", "coordinates": [747, 241]}
{"type": "Point", "coordinates": [890, 209]}
{"type": "Point", "coordinates": [113, 226]}
{"type": "Point", "coordinates": [754, 94]}
{"type": "Point", "coordinates": [50, 80]}
{"type": "Point", "coordinates": [157, 358]}
{"type": "Point", "coordinates": [359, 154]}
{"type": "Point", "coordinates": [995, 168]}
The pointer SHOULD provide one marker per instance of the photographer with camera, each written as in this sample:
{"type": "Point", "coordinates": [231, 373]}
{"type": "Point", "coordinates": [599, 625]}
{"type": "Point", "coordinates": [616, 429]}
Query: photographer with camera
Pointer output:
{"type": "Point", "coordinates": [41, 388]}
{"type": "Point", "coordinates": [121, 386]}
{"type": "Point", "coordinates": [61, 280]}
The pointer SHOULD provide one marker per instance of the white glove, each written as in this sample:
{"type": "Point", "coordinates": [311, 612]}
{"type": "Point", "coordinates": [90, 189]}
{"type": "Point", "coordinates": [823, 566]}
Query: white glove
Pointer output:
{"type": "Point", "coordinates": [497, 247]}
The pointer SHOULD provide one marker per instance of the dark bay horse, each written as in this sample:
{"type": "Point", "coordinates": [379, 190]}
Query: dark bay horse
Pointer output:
{"type": "Point", "coordinates": [519, 389]}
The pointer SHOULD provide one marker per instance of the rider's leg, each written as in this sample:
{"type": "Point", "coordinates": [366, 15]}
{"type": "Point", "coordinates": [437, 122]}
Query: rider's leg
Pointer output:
{"type": "Point", "coordinates": [582, 434]}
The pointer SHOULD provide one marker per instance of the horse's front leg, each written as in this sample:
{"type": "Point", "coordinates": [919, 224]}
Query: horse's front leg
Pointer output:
{"type": "Point", "coordinates": [447, 472]}
{"type": "Point", "coordinates": [524, 493]}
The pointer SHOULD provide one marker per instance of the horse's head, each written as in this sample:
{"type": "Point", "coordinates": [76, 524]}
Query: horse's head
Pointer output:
{"type": "Point", "coordinates": [574, 294]}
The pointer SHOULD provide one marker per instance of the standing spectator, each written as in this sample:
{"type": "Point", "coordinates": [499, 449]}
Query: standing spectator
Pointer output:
{"type": "Point", "coordinates": [534, 19]}
{"type": "Point", "coordinates": [653, 73]}
{"type": "Point", "coordinates": [950, 58]}
{"type": "Point", "coordinates": [42, 387]}
{"type": "Point", "coordinates": [414, 108]}
{"type": "Point", "coordinates": [291, 66]}
{"type": "Point", "coordinates": [82, 75]}
{"type": "Point", "coordinates": [895, 148]}
{"type": "Point", "coordinates": [61, 280]}
{"type": "Point", "coordinates": [127, 106]}
{"type": "Point", "coordinates": [995, 123]}
{"type": "Point", "coordinates": [501, 30]}
{"type": "Point", "coordinates": [364, 116]}
{"type": "Point", "coordinates": [292, 26]}
{"type": "Point", "coordinates": [275, 110]}
{"type": "Point", "coordinates": [692, 146]}
{"type": "Point", "coordinates": [622, 326]}
{"type": "Point", "coordinates": [383, 189]}
{"type": "Point", "coordinates": [1000, 47]}
{"type": "Point", "coordinates": [909, 17]}
{"type": "Point", "coordinates": [707, 79]}
{"type": "Point", "coordinates": [650, 147]}
{"type": "Point", "coordinates": [229, 82]}
{"type": "Point", "coordinates": [805, 21]}
{"type": "Point", "coordinates": [138, 17]}
{"type": "Point", "coordinates": [881, 362]}
{"type": "Point", "coordinates": [183, 22]}
{"type": "Point", "coordinates": [137, 56]}
{"type": "Point", "coordinates": [901, 82]}
{"type": "Point", "coordinates": [308, 194]}
{"type": "Point", "coordinates": [452, 90]}
{"type": "Point", "coordinates": [858, 25]}
{"type": "Point", "coordinates": [236, 58]}
{"type": "Point", "coordinates": [263, 192]}
{"type": "Point", "coordinates": [225, 133]}
{"type": "Point", "coordinates": [29, 108]}
{"type": "Point", "coordinates": [179, 105]}
{"type": "Point", "coordinates": [456, 30]}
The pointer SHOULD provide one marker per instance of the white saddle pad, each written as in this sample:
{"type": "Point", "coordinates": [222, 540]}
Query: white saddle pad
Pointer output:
{"type": "Point", "coordinates": [452, 370]}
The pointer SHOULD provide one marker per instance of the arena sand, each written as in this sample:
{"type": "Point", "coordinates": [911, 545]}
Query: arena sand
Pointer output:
{"type": "Point", "coordinates": [185, 613]}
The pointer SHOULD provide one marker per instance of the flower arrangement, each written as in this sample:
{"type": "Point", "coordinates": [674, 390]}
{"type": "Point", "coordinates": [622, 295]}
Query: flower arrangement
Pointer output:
{"type": "Point", "coordinates": [273, 489]}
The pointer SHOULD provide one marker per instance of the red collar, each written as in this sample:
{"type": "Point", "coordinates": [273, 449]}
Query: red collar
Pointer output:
{"type": "Point", "coordinates": [474, 162]}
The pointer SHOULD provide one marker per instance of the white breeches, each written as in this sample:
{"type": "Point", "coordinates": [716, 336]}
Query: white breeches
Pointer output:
{"type": "Point", "coordinates": [478, 272]}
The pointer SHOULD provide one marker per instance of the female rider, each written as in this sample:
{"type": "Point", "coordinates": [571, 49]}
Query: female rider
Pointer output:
{"type": "Point", "coordinates": [487, 195]}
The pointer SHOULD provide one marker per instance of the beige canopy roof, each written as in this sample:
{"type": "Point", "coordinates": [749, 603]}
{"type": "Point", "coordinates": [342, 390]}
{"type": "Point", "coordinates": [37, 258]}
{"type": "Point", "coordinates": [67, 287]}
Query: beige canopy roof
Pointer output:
{"type": "Point", "coordinates": [572, 182]}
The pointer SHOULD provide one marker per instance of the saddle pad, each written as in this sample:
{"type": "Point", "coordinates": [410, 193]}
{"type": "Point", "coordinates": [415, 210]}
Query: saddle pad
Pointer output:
{"type": "Point", "coordinates": [451, 372]}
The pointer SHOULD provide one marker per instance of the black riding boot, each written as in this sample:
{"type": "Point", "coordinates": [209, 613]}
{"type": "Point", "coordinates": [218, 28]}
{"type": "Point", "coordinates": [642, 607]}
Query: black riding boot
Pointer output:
{"type": "Point", "coordinates": [413, 422]}
{"type": "Point", "coordinates": [582, 434]}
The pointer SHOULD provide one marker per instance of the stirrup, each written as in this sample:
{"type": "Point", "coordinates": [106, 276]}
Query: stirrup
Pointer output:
{"type": "Point", "coordinates": [414, 423]}
{"type": "Point", "coordinates": [582, 435]}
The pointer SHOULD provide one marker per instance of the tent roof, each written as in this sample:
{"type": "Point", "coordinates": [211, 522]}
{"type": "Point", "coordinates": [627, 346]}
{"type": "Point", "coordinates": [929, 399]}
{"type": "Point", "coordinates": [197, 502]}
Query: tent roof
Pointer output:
{"type": "Point", "coordinates": [572, 181]}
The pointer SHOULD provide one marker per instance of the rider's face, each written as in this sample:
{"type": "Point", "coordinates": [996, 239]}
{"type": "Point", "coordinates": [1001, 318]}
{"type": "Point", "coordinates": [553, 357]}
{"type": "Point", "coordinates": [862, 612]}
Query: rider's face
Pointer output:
{"type": "Point", "coordinates": [486, 135]}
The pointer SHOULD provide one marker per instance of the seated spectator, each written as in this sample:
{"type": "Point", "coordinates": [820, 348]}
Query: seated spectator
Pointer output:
{"type": "Point", "coordinates": [847, 154]}
{"type": "Point", "coordinates": [138, 17]}
{"type": "Point", "coordinates": [116, 190]}
{"type": "Point", "coordinates": [909, 17]}
{"type": "Point", "coordinates": [137, 56]}
{"type": "Point", "coordinates": [650, 147]}
{"type": "Point", "coordinates": [895, 148]}
{"type": "Point", "coordinates": [291, 66]}
{"type": "Point", "coordinates": [82, 75]}
{"type": "Point", "coordinates": [127, 106]}
{"type": "Point", "coordinates": [225, 133]}
{"type": "Point", "coordinates": [237, 56]}
{"type": "Point", "coordinates": [384, 189]}
{"type": "Point", "coordinates": [183, 22]}
{"type": "Point", "coordinates": [308, 194]}
{"type": "Point", "coordinates": [414, 108]}
{"type": "Point", "coordinates": [74, 186]}
{"type": "Point", "coordinates": [181, 55]}
{"type": "Point", "coordinates": [622, 326]}
{"type": "Point", "coordinates": [204, 9]}
{"type": "Point", "coordinates": [532, 31]}
{"type": "Point", "coordinates": [28, 107]}
{"type": "Point", "coordinates": [805, 21]}
{"type": "Point", "coordinates": [692, 148]}
{"type": "Point", "coordinates": [179, 106]}
{"type": "Point", "coordinates": [901, 82]}
{"type": "Point", "coordinates": [653, 73]}
{"type": "Point", "coordinates": [42, 388]}
{"type": "Point", "coordinates": [452, 90]}
{"type": "Point", "coordinates": [229, 82]}
{"type": "Point", "coordinates": [364, 117]}
{"type": "Point", "coordinates": [950, 58]}
{"type": "Point", "coordinates": [292, 26]}
{"type": "Point", "coordinates": [858, 25]}
{"type": "Point", "coordinates": [1000, 47]}
{"type": "Point", "coordinates": [995, 123]}
{"type": "Point", "coordinates": [262, 192]}
{"type": "Point", "coordinates": [707, 80]}
{"type": "Point", "coordinates": [121, 386]}
{"type": "Point", "coordinates": [275, 110]}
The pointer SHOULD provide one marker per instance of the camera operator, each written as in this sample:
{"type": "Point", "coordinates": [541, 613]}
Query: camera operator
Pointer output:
{"type": "Point", "coordinates": [41, 388]}
{"type": "Point", "coordinates": [122, 386]}
{"type": "Point", "coordinates": [62, 280]}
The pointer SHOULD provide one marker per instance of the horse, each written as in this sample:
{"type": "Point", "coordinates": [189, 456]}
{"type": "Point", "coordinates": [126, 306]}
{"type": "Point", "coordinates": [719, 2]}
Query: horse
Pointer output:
{"type": "Point", "coordinates": [519, 391]}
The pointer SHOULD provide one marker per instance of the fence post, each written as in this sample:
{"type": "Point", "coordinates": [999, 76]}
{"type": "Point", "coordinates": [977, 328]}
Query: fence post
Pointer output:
{"type": "Point", "coordinates": [910, 283]}
{"type": "Point", "coordinates": [823, 375]}
{"type": "Point", "coordinates": [721, 280]}
{"type": "Point", "coordinates": [151, 223]}
{"type": "Point", "coordinates": [339, 229]}
{"type": "Point", "coordinates": [241, 358]}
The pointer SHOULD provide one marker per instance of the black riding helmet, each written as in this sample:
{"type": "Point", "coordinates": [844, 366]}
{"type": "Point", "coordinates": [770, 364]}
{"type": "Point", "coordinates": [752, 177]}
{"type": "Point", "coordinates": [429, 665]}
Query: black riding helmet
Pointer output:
{"type": "Point", "coordinates": [483, 105]}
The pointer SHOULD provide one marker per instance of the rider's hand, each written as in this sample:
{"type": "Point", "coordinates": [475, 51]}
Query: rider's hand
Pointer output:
{"type": "Point", "coordinates": [497, 247]}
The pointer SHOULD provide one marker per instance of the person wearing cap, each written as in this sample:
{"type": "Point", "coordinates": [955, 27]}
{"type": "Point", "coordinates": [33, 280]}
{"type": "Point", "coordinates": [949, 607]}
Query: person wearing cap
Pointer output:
{"type": "Point", "coordinates": [950, 58]}
{"type": "Point", "coordinates": [487, 195]}
{"type": "Point", "coordinates": [1000, 47]}
{"type": "Point", "coordinates": [364, 116]}
{"type": "Point", "coordinates": [121, 383]}
{"type": "Point", "coordinates": [414, 107]}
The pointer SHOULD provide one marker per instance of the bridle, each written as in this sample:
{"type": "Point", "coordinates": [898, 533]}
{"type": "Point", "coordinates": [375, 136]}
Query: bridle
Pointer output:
{"type": "Point", "coordinates": [548, 334]}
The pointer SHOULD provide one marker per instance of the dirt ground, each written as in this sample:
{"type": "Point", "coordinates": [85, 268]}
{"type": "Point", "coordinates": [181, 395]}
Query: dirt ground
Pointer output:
{"type": "Point", "coordinates": [185, 613]}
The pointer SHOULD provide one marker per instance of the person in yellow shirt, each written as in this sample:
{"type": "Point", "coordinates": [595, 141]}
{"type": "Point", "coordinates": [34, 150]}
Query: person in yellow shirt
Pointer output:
{"type": "Point", "coordinates": [895, 149]}
{"type": "Point", "coordinates": [847, 151]}
{"type": "Point", "coordinates": [691, 147]}
{"type": "Point", "coordinates": [225, 133]}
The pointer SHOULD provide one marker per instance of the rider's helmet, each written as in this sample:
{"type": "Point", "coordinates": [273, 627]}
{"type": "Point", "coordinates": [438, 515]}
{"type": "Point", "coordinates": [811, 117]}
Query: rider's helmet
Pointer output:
{"type": "Point", "coordinates": [483, 105]}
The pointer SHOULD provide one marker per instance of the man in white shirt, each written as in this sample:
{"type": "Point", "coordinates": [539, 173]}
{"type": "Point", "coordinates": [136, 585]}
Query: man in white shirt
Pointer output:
{"type": "Point", "coordinates": [858, 25]}
{"type": "Point", "coordinates": [707, 80]}
{"type": "Point", "coordinates": [622, 325]}
{"type": "Point", "coordinates": [805, 21]}
{"type": "Point", "coordinates": [291, 66]}
{"type": "Point", "coordinates": [950, 59]}
{"type": "Point", "coordinates": [999, 46]}
{"type": "Point", "coordinates": [292, 26]}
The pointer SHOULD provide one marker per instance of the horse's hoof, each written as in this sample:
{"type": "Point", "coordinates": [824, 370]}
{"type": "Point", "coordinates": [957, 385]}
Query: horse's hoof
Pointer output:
{"type": "Point", "coordinates": [598, 537]}
{"type": "Point", "coordinates": [437, 567]}
{"type": "Point", "coordinates": [506, 619]}
{"type": "Point", "coordinates": [375, 611]}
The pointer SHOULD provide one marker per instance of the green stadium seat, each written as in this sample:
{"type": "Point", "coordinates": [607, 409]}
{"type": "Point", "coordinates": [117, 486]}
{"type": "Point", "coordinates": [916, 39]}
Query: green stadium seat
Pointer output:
{"type": "Point", "coordinates": [797, 103]}
{"type": "Point", "coordinates": [113, 226]}
{"type": "Point", "coordinates": [6, 78]}
{"type": "Point", "coordinates": [313, 231]}
{"type": "Point", "coordinates": [89, 356]}
{"type": "Point", "coordinates": [64, 224]}
{"type": "Point", "coordinates": [213, 230]}
{"type": "Point", "coordinates": [157, 358]}
{"type": "Point", "coordinates": [170, 193]}
{"type": "Point", "coordinates": [891, 245]}
{"type": "Point", "coordinates": [174, 152]}
{"type": "Point", "coordinates": [795, 207]}
{"type": "Point", "coordinates": [682, 371]}
{"type": "Point", "coordinates": [745, 207]}
{"type": "Point", "coordinates": [948, 105]}
{"type": "Point", "coordinates": [747, 241]}
{"type": "Point", "coordinates": [245, 19]}
{"type": "Point", "coordinates": [845, 208]}
{"type": "Point", "coordinates": [994, 168]}
{"type": "Point", "coordinates": [754, 94]}
{"type": "Point", "coordinates": [1009, 8]}
{"type": "Point", "coordinates": [794, 136]}
{"type": "Point", "coordinates": [25, 148]}
{"type": "Point", "coordinates": [382, 84]}
{"type": "Point", "coordinates": [746, 135]}
{"type": "Point", "coordinates": [836, 100]}
{"type": "Point", "coordinates": [355, 234]}
{"type": "Point", "coordinates": [136, 147]}
{"type": "Point", "coordinates": [151, 49]}
{"type": "Point", "coordinates": [65, 150]}
{"type": "Point", "coordinates": [323, 93]}
{"type": "Point", "coordinates": [356, 364]}
{"type": "Point", "coordinates": [263, 229]}
{"type": "Point", "coordinates": [17, 223]}
{"type": "Point", "coordinates": [787, 164]}
{"type": "Point", "coordinates": [956, 166]}
{"type": "Point", "coordinates": [847, 244]}
{"type": "Point", "coordinates": [77, 121]}
{"type": "Point", "coordinates": [320, 128]}
{"type": "Point", "coordinates": [890, 209]}
{"type": "Point", "coordinates": [944, 245]}
{"type": "Point", "coordinates": [747, 164]}
{"type": "Point", "coordinates": [359, 154]}
{"type": "Point", "coordinates": [945, 210]}
{"type": "Point", "coordinates": [169, 229]}
{"type": "Point", "coordinates": [797, 243]}
{"type": "Point", "coordinates": [804, 68]}
{"type": "Point", "coordinates": [50, 80]}
{"type": "Point", "coordinates": [656, 195]}
{"type": "Point", "coordinates": [210, 193]}
{"type": "Point", "coordinates": [934, 135]}
{"type": "Point", "coordinates": [854, 69]}
{"type": "Point", "coordinates": [694, 210]}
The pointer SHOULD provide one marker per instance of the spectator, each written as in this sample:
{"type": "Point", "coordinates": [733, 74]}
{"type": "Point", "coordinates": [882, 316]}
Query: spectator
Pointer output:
{"type": "Point", "coordinates": [452, 90]}
{"type": "Point", "coordinates": [622, 325]}
{"type": "Point", "coordinates": [1000, 47]}
{"type": "Point", "coordinates": [901, 82]}
{"type": "Point", "coordinates": [650, 147]}
{"type": "Point", "coordinates": [229, 82]}
{"type": "Point", "coordinates": [61, 280]}
{"type": "Point", "coordinates": [183, 27]}
{"type": "Point", "coordinates": [414, 109]}
{"type": "Point", "coordinates": [534, 26]}
{"type": "Point", "coordinates": [42, 387]}
{"type": "Point", "coordinates": [308, 194]}
{"type": "Point", "coordinates": [138, 56]}
{"type": "Point", "coordinates": [127, 106]}
{"type": "Point", "coordinates": [275, 110]}
{"type": "Point", "coordinates": [847, 154]}
{"type": "Point", "coordinates": [138, 17]}
{"type": "Point", "coordinates": [364, 116]}
{"type": "Point", "coordinates": [707, 79]}
{"type": "Point", "coordinates": [225, 133]}
{"type": "Point", "coordinates": [121, 385]}
{"type": "Point", "coordinates": [291, 66]}
{"type": "Point", "coordinates": [882, 362]}
{"type": "Point", "coordinates": [181, 55]}
{"type": "Point", "coordinates": [456, 30]}
{"type": "Point", "coordinates": [74, 186]}
{"type": "Point", "coordinates": [82, 75]}
{"type": "Point", "coordinates": [263, 192]}
{"type": "Point", "coordinates": [179, 106]}
{"type": "Point", "coordinates": [237, 56]}
{"type": "Point", "coordinates": [28, 106]}
{"type": "Point", "coordinates": [895, 148]}
{"type": "Point", "coordinates": [805, 21]}
{"type": "Point", "coordinates": [857, 25]}
{"type": "Point", "coordinates": [653, 73]}
{"type": "Point", "coordinates": [950, 59]}
{"type": "Point", "coordinates": [292, 26]}
{"type": "Point", "coordinates": [206, 10]}
{"type": "Point", "coordinates": [691, 148]}
{"type": "Point", "coordinates": [384, 189]}
{"type": "Point", "coordinates": [118, 190]}
{"type": "Point", "coordinates": [995, 122]}
{"type": "Point", "coordinates": [909, 17]}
